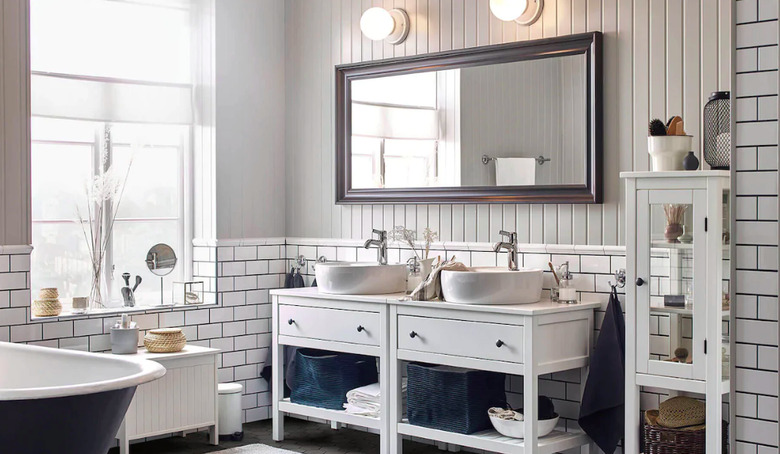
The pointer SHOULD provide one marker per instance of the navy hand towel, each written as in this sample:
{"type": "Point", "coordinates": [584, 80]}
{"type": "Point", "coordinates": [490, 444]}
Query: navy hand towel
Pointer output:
{"type": "Point", "coordinates": [602, 414]}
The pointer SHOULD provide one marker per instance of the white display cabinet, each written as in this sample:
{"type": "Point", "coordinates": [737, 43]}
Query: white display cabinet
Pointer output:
{"type": "Point", "coordinates": [676, 336]}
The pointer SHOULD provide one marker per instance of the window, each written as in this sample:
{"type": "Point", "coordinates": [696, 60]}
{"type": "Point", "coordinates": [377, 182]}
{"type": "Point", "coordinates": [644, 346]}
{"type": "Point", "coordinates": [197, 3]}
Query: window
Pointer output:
{"type": "Point", "coordinates": [395, 140]}
{"type": "Point", "coordinates": [111, 88]}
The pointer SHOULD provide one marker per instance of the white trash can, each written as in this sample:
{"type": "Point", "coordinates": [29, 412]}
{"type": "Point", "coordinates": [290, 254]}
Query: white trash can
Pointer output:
{"type": "Point", "coordinates": [230, 426]}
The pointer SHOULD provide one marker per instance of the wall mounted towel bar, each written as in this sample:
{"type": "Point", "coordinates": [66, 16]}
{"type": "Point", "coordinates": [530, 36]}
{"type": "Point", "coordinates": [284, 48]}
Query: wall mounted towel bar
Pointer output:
{"type": "Point", "coordinates": [539, 159]}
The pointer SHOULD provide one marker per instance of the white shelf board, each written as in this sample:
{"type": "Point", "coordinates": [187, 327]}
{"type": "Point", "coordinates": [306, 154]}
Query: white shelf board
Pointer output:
{"type": "Point", "coordinates": [490, 440]}
{"type": "Point", "coordinates": [330, 415]}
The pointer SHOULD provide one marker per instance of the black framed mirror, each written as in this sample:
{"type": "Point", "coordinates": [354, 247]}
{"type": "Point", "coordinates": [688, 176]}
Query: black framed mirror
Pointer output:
{"type": "Point", "coordinates": [518, 122]}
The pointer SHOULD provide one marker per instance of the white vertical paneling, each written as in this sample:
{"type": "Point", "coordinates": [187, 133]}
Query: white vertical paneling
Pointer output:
{"type": "Point", "coordinates": [659, 59]}
{"type": "Point", "coordinates": [15, 225]}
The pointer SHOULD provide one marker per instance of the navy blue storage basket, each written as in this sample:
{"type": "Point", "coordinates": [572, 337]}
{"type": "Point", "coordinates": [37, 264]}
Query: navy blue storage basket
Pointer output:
{"type": "Point", "coordinates": [455, 400]}
{"type": "Point", "coordinates": [323, 378]}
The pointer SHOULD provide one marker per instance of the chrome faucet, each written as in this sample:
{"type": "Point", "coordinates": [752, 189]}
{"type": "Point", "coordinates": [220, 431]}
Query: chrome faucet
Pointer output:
{"type": "Point", "coordinates": [511, 248]}
{"type": "Point", "coordinates": [380, 244]}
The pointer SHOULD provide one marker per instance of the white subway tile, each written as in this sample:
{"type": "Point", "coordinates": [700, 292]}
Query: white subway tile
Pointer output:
{"type": "Point", "coordinates": [595, 264]}
{"type": "Point", "coordinates": [233, 268]}
{"type": "Point", "coordinates": [268, 252]}
{"type": "Point", "coordinates": [87, 327]}
{"type": "Point", "coordinates": [196, 317]}
{"type": "Point", "coordinates": [171, 319]}
{"type": "Point", "coordinates": [257, 267]}
{"type": "Point", "coordinates": [223, 314]}
{"type": "Point", "coordinates": [13, 281]}
{"type": "Point", "coordinates": [245, 282]}
{"type": "Point", "coordinates": [224, 254]}
{"type": "Point", "coordinates": [245, 253]}
{"type": "Point", "coordinates": [234, 328]}
{"type": "Point", "coordinates": [57, 329]}
{"type": "Point", "coordinates": [209, 331]}
{"type": "Point", "coordinates": [13, 316]}
{"type": "Point", "coordinates": [75, 343]}
{"type": "Point", "coordinates": [26, 333]}
{"type": "Point", "coordinates": [758, 34]}
{"type": "Point", "coordinates": [20, 262]}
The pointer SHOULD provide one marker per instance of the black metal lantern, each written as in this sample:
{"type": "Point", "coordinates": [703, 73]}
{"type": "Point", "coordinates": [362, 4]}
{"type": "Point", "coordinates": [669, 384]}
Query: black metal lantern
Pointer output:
{"type": "Point", "coordinates": [717, 130]}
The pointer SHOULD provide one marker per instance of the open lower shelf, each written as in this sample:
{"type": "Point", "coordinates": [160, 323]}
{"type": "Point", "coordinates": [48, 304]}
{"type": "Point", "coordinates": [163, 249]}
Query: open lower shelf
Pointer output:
{"type": "Point", "coordinates": [329, 415]}
{"type": "Point", "coordinates": [490, 440]}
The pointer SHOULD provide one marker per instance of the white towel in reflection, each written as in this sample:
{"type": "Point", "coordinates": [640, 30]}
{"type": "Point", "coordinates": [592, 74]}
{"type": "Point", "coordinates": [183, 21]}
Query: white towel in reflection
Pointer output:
{"type": "Point", "coordinates": [515, 171]}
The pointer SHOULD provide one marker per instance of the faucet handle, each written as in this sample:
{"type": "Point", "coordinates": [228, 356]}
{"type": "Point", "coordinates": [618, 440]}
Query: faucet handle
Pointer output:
{"type": "Point", "coordinates": [512, 236]}
{"type": "Point", "coordinates": [382, 233]}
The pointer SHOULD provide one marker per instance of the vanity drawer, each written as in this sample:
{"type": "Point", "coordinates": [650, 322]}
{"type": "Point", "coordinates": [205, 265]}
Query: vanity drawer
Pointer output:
{"type": "Point", "coordinates": [461, 338]}
{"type": "Point", "coordinates": [355, 327]}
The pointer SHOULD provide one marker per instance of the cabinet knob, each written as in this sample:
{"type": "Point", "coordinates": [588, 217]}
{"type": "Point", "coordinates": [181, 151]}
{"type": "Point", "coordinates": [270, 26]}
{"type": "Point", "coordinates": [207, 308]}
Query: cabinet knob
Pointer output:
{"type": "Point", "coordinates": [412, 334]}
{"type": "Point", "coordinates": [640, 282]}
{"type": "Point", "coordinates": [290, 321]}
{"type": "Point", "coordinates": [360, 329]}
{"type": "Point", "coordinates": [499, 343]}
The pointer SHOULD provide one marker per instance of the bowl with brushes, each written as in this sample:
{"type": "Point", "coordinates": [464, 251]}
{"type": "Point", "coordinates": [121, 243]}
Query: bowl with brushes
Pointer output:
{"type": "Point", "coordinates": [668, 144]}
{"type": "Point", "coordinates": [511, 423]}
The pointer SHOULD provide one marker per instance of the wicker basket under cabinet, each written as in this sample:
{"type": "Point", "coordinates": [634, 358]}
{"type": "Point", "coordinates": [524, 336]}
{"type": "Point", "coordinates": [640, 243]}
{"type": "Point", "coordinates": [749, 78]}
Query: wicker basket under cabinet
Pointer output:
{"type": "Point", "coordinates": [663, 440]}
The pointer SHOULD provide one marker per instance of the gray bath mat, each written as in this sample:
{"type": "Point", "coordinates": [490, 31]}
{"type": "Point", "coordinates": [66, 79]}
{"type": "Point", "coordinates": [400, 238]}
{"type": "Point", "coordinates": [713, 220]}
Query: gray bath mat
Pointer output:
{"type": "Point", "coordinates": [255, 449]}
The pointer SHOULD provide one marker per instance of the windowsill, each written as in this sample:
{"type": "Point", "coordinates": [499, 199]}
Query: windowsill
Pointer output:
{"type": "Point", "coordinates": [100, 313]}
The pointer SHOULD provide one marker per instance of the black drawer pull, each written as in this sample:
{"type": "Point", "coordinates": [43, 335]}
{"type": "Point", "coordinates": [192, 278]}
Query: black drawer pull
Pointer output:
{"type": "Point", "coordinates": [290, 321]}
{"type": "Point", "coordinates": [499, 343]}
{"type": "Point", "coordinates": [412, 334]}
{"type": "Point", "coordinates": [640, 282]}
{"type": "Point", "coordinates": [360, 329]}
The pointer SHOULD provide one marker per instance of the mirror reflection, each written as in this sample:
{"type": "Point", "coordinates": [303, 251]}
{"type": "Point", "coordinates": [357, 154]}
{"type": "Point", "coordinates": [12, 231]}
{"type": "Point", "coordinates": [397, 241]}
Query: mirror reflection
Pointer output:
{"type": "Point", "coordinates": [522, 123]}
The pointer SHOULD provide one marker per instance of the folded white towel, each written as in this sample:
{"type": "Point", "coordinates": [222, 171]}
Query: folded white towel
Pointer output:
{"type": "Point", "coordinates": [364, 401]}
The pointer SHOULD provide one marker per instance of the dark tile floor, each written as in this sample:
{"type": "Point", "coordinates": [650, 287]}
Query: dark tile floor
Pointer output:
{"type": "Point", "coordinates": [301, 436]}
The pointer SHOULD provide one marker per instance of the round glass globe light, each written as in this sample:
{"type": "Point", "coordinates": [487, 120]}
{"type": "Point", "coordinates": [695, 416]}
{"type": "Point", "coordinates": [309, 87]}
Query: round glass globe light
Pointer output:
{"type": "Point", "coordinates": [377, 23]}
{"type": "Point", "coordinates": [508, 10]}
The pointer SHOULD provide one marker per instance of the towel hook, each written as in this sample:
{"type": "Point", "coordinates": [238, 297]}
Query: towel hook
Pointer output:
{"type": "Point", "coordinates": [299, 262]}
{"type": "Point", "coordinates": [620, 278]}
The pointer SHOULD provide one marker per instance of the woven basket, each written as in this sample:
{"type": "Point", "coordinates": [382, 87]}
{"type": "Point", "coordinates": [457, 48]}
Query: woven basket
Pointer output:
{"type": "Point", "coordinates": [48, 294]}
{"type": "Point", "coordinates": [322, 378]}
{"type": "Point", "coordinates": [46, 308]}
{"type": "Point", "coordinates": [165, 340]}
{"type": "Point", "coordinates": [451, 399]}
{"type": "Point", "coordinates": [685, 440]}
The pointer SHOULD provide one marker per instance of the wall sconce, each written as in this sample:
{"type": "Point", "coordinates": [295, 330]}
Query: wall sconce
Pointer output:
{"type": "Point", "coordinates": [378, 24]}
{"type": "Point", "coordinates": [524, 12]}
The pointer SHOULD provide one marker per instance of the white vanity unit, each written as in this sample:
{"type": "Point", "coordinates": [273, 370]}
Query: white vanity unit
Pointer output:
{"type": "Point", "coordinates": [184, 399]}
{"type": "Point", "coordinates": [526, 339]}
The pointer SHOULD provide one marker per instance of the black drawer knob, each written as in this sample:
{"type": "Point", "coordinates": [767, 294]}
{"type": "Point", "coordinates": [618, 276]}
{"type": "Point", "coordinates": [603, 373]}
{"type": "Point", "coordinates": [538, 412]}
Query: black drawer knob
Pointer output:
{"type": "Point", "coordinates": [360, 329]}
{"type": "Point", "coordinates": [499, 343]}
{"type": "Point", "coordinates": [640, 282]}
{"type": "Point", "coordinates": [412, 334]}
{"type": "Point", "coordinates": [290, 321]}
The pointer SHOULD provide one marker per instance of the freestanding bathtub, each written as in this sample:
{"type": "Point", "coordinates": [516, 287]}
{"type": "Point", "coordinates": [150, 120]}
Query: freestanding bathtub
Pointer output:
{"type": "Point", "coordinates": [56, 401]}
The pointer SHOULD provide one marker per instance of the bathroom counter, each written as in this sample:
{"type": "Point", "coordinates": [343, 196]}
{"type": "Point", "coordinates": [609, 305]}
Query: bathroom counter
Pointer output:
{"type": "Point", "coordinates": [401, 299]}
{"type": "Point", "coordinates": [524, 339]}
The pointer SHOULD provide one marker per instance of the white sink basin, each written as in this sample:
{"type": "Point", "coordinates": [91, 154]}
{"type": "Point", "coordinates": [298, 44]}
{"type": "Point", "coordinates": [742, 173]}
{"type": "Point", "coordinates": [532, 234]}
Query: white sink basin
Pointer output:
{"type": "Point", "coordinates": [344, 278]}
{"type": "Point", "coordinates": [492, 286]}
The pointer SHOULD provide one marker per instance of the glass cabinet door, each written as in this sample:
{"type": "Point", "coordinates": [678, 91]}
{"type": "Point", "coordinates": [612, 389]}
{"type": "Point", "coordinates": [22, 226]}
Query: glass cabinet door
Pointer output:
{"type": "Point", "coordinates": [671, 304]}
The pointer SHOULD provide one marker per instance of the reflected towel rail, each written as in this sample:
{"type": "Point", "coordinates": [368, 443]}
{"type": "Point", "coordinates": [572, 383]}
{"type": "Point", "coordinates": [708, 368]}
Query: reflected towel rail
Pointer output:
{"type": "Point", "coordinates": [539, 159]}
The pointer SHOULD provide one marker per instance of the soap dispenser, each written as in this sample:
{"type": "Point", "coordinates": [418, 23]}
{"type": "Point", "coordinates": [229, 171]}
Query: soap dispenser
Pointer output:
{"type": "Point", "coordinates": [567, 292]}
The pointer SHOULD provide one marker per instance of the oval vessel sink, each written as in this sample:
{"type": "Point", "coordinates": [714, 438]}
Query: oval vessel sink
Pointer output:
{"type": "Point", "coordinates": [343, 278]}
{"type": "Point", "coordinates": [492, 286]}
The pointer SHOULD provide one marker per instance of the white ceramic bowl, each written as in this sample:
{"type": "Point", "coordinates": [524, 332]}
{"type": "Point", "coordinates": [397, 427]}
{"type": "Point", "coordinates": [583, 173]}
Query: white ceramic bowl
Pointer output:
{"type": "Point", "coordinates": [516, 429]}
{"type": "Point", "coordinates": [668, 151]}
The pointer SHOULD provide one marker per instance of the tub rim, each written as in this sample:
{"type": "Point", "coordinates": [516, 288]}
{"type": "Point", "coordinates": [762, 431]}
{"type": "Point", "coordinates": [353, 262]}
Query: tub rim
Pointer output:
{"type": "Point", "coordinates": [149, 371]}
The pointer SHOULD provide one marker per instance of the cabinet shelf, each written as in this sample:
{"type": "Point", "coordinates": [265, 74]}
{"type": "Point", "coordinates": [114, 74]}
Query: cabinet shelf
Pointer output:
{"type": "Point", "coordinates": [490, 440]}
{"type": "Point", "coordinates": [330, 415]}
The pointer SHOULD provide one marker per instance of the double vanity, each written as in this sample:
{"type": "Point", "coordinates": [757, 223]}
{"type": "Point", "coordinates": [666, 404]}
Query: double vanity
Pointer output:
{"type": "Point", "coordinates": [516, 339]}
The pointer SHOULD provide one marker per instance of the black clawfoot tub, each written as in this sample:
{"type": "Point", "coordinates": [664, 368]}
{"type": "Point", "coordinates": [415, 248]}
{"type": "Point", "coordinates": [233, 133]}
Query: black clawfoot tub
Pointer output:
{"type": "Point", "coordinates": [65, 402]}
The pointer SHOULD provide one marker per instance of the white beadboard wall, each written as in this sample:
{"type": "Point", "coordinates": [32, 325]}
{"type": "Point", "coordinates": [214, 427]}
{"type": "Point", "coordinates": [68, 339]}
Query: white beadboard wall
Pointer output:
{"type": "Point", "coordinates": [662, 57]}
{"type": "Point", "coordinates": [15, 225]}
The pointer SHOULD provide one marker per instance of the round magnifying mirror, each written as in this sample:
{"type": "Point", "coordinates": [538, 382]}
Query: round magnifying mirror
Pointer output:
{"type": "Point", "coordinates": [161, 259]}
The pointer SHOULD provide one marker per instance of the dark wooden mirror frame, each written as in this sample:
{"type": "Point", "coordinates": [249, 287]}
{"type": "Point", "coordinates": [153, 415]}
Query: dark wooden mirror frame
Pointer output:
{"type": "Point", "coordinates": [589, 44]}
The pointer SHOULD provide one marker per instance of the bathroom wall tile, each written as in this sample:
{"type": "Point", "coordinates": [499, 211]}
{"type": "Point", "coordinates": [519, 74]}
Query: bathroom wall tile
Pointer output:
{"type": "Point", "coordinates": [26, 333]}
{"type": "Point", "coordinates": [594, 264]}
{"type": "Point", "coordinates": [57, 329]}
{"type": "Point", "coordinates": [20, 262]}
{"type": "Point", "coordinates": [13, 316]}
